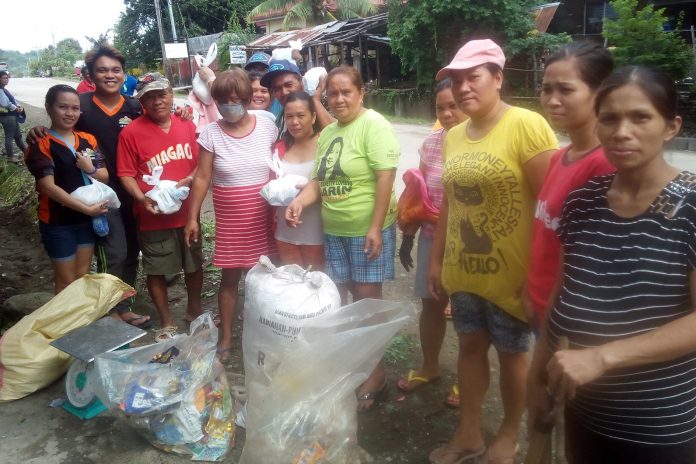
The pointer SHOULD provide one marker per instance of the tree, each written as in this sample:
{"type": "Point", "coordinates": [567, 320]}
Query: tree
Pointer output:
{"type": "Point", "coordinates": [639, 37]}
{"type": "Point", "coordinates": [301, 13]}
{"type": "Point", "coordinates": [426, 34]}
{"type": "Point", "coordinates": [137, 37]}
{"type": "Point", "coordinates": [59, 60]}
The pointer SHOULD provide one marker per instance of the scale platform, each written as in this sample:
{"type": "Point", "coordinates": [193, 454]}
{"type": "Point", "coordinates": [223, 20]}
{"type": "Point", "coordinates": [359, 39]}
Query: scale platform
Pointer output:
{"type": "Point", "coordinates": [102, 336]}
{"type": "Point", "coordinates": [84, 344]}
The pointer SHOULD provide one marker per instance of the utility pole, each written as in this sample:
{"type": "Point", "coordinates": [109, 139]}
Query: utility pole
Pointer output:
{"type": "Point", "coordinates": [171, 20]}
{"type": "Point", "coordinates": [158, 13]}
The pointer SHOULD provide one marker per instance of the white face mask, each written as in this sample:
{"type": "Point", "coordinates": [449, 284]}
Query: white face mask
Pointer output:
{"type": "Point", "coordinates": [231, 112]}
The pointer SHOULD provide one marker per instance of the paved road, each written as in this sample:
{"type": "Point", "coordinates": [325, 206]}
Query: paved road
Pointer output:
{"type": "Point", "coordinates": [410, 136]}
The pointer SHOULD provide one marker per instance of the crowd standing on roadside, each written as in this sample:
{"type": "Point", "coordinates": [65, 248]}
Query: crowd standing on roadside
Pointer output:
{"type": "Point", "coordinates": [594, 242]}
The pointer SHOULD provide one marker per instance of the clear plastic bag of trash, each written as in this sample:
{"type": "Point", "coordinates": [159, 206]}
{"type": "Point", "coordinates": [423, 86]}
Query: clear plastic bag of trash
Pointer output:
{"type": "Point", "coordinates": [174, 393]}
{"type": "Point", "coordinates": [303, 358]}
{"type": "Point", "coordinates": [282, 190]}
{"type": "Point", "coordinates": [96, 192]}
{"type": "Point", "coordinates": [165, 193]}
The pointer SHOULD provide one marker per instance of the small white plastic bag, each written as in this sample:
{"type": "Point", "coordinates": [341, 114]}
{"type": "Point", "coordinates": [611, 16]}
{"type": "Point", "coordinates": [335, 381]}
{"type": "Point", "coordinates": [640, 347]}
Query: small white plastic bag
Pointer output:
{"type": "Point", "coordinates": [166, 194]}
{"type": "Point", "coordinates": [96, 192]}
{"type": "Point", "coordinates": [281, 191]}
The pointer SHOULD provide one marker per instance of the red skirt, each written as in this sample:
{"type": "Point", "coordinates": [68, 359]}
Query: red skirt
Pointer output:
{"type": "Point", "coordinates": [243, 226]}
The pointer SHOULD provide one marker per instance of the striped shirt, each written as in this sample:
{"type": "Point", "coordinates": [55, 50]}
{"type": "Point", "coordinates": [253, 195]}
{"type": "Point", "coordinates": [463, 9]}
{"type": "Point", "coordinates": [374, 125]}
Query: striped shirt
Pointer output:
{"type": "Point", "coordinates": [624, 277]}
{"type": "Point", "coordinates": [240, 161]}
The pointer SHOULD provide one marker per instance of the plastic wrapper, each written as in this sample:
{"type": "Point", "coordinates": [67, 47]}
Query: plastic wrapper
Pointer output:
{"type": "Point", "coordinates": [27, 360]}
{"type": "Point", "coordinates": [199, 86]}
{"type": "Point", "coordinates": [96, 192]}
{"type": "Point", "coordinates": [282, 190]}
{"type": "Point", "coordinates": [304, 357]}
{"type": "Point", "coordinates": [291, 53]}
{"type": "Point", "coordinates": [414, 205]}
{"type": "Point", "coordinates": [311, 79]}
{"type": "Point", "coordinates": [165, 193]}
{"type": "Point", "coordinates": [174, 393]}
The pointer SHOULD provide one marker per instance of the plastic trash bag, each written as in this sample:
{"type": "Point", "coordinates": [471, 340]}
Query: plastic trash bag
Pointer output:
{"type": "Point", "coordinates": [166, 194]}
{"type": "Point", "coordinates": [200, 88]}
{"type": "Point", "coordinates": [174, 393]}
{"type": "Point", "coordinates": [311, 79]}
{"type": "Point", "coordinates": [291, 53]}
{"type": "Point", "coordinates": [96, 192]}
{"type": "Point", "coordinates": [414, 205]}
{"type": "Point", "coordinates": [303, 359]}
{"type": "Point", "coordinates": [27, 360]}
{"type": "Point", "coordinates": [282, 190]}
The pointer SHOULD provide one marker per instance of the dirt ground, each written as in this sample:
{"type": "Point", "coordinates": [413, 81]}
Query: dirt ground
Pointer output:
{"type": "Point", "coordinates": [404, 429]}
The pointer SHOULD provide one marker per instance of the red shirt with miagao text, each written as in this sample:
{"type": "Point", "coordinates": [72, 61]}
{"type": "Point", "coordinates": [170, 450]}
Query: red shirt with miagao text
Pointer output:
{"type": "Point", "coordinates": [142, 146]}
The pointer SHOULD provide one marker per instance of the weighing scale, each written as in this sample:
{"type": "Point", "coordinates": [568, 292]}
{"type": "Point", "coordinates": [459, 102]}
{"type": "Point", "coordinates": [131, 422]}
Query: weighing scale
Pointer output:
{"type": "Point", "coordinates": [105, 335]}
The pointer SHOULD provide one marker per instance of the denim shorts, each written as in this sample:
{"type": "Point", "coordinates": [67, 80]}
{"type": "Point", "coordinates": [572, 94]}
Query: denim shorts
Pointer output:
{"type": "Point", "coordinates": [61, 242]}
{"type": "Point", "coordinates": [471, 313]}
{"type": "Point", "coordinates": [346, 260]}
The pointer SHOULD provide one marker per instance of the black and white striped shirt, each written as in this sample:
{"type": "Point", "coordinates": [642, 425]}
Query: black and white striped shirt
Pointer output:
{"type": "Point", "coordinates": [624, 277]}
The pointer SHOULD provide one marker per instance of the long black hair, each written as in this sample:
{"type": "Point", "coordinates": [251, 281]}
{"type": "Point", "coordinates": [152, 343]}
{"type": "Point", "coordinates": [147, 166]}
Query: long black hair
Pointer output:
{"type": "Point", "coordinates": [594, 62]}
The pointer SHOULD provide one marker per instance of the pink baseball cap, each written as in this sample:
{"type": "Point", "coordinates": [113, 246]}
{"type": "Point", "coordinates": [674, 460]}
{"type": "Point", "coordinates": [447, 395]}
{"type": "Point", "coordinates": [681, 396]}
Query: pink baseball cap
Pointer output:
{"type": "Point", "coordinates": [474, 53]}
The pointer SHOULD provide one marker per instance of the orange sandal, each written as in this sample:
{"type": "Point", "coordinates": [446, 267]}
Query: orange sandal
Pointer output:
{"type": "Point", "coordinates": [414, 381]}
{"type": "Point", "coordinates": [452, 400]}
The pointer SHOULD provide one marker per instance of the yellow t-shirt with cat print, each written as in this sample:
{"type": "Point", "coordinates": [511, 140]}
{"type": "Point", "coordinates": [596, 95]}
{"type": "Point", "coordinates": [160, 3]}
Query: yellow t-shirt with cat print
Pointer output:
{"type": "Point", "coordinates": [491, 207]}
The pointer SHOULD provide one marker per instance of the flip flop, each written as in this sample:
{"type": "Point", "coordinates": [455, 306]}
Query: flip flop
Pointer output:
{"type": "Point", "coordinates": [452, 400]}
{"type": "Point", "coordinates": [165, 334]}
{"type": "Point", "coordinates": [377, 396]}
{"type": "Point", "coordinates": [221, 352]}
{"type": "Point", "coordinates": [143, 325]}
{"type": "Point", "coordinates": [442, 455]}
{"type": "Point", "coordinates": [406, 385]}
{"type": "Point", "coordinates": [501, 459]}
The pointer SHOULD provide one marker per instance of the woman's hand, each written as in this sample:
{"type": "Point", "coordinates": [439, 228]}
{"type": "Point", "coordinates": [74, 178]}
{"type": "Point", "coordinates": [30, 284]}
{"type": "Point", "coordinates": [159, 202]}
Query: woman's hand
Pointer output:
{"type": "Point", "coordinates": [84, 162]}
{"type": "Point", "coordinates": [373, 243]}
{"type": "Point", "coordinates": [293, 213]}
{"type": "Point", "coordinates": [192, 233]}
{"type": "Point", "coordinates": [569, 369]}
{"type": "Point", "coordinates": [539, 402]}
{"type": "Point", "coordinates": [435, 281]}
{"type": "Point", "coordinates": [95, 210]}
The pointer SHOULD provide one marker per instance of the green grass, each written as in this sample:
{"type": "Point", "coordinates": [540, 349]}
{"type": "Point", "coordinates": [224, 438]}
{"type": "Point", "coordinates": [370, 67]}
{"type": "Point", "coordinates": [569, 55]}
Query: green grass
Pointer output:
{"type": "Point", "coordinates": [400, 350]}
{"type": "Point", "coordinates": [16, 184]}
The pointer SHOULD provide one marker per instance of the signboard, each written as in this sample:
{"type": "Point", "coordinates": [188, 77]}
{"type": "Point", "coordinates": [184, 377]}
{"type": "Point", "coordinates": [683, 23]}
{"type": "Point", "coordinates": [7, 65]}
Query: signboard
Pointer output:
{"type": "Point", "coordinates": [176, 50]}
{"type": "Point", "coordinates": [237, 54]}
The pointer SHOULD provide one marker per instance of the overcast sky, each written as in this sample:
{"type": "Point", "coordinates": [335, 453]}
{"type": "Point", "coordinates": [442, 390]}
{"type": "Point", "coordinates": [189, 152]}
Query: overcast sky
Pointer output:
{"type": "Point", "coordinates": [35, 24]}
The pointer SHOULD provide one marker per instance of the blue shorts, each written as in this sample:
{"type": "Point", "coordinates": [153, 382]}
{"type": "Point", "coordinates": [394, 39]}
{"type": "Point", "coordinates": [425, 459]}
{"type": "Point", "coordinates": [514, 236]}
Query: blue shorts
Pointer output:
{"type": "Point", "coordinates": [471, 313]}
{"type": "Point", "coordinates": [61, 242]}
{"type": "Point", "coordinates": [346, 260]}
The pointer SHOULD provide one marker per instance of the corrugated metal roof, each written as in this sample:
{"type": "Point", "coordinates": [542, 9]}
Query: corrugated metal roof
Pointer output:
{"type": "Point", "coordinates": [282, 39]}
{"type": "Point", "coordinates": [543, 14]}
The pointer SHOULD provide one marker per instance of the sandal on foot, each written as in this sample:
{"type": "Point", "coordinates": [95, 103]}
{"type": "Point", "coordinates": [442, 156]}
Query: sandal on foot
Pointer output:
{"type": "Point", "coordinates": [452, 400]}
{"type": "Point", "coordinates": [165, 334]}
{"type": "Point", "coordinates": [376, 397]}
{"type": "Point", "coordinates": [501, 459]}
{"type": "Point", "coordinates": [145, 324]}
{"type": "Point", "coordinates": [442, 455]}
{"type": "Point", "coordinates": [223, 354]}
{"type": "Point", "coordinates": [414, 381]}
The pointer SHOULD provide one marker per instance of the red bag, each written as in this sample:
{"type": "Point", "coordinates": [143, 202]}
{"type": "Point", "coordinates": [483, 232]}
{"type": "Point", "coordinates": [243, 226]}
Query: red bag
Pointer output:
{"type": "Point", "coordinates": [414, 205]}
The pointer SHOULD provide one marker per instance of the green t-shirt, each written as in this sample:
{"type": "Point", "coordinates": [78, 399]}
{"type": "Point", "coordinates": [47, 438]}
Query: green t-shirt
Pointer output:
{"type": "Point", "coordinates": [345, 168]}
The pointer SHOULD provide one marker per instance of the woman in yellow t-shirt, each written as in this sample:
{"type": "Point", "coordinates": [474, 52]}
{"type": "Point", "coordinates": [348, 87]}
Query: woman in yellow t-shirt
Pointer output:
{"type": "Point", "coordinates": [494, 165]}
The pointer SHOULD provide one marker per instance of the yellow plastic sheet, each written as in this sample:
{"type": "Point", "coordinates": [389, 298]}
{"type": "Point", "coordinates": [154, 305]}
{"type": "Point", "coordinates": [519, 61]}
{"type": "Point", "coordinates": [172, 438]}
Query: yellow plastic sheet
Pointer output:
{"type": "Point", "coordinates": [27, 361]}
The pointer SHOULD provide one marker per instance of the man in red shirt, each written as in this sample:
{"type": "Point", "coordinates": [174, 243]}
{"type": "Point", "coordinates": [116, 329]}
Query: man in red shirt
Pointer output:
{"type": "Point", "coordinates": [161, 139]}
{"type": "Point", "coordinates": [86, 84]}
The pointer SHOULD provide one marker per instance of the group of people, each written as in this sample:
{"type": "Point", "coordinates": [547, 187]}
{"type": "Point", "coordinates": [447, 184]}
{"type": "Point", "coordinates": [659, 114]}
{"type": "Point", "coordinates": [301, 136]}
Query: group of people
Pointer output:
{"type": "Point", "coordinates": [593, 242]}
